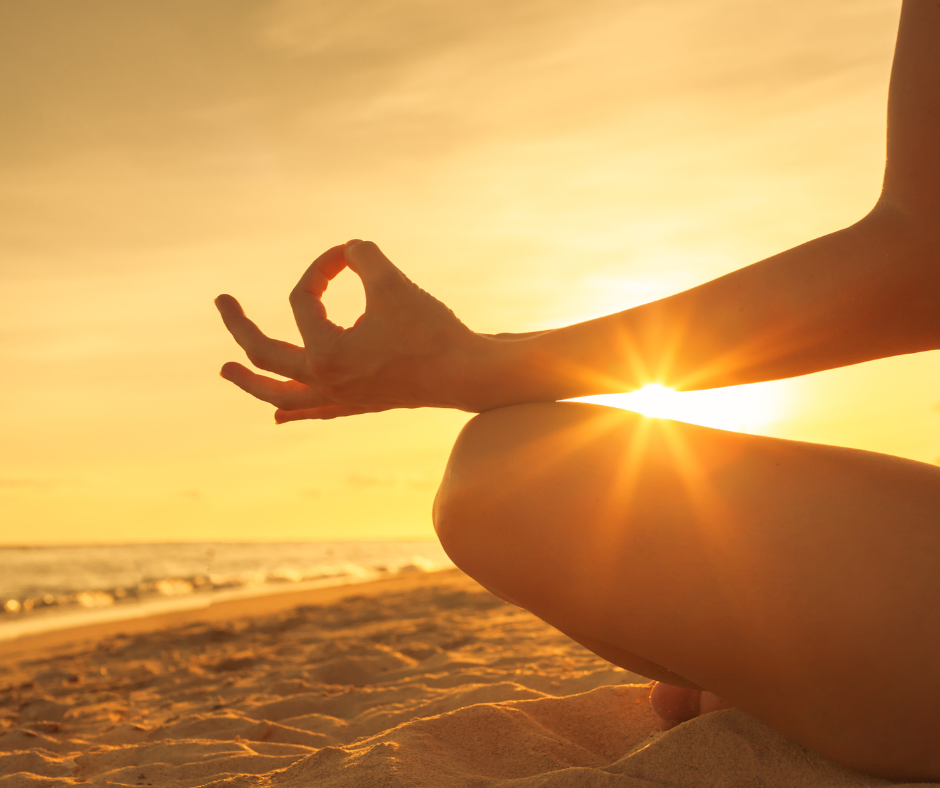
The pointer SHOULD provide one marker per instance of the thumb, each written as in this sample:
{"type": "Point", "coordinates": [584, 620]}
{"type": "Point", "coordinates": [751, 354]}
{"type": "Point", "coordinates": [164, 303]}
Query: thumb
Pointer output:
{"type": "Point", "coordinates": [377, 272]}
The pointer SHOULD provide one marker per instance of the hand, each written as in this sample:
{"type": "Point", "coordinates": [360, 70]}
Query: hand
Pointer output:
{"type": "Point", "coordinates": [407, 350]}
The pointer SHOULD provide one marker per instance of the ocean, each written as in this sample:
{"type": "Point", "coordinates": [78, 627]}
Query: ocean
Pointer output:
{"type": "Point", "coordinates": [44, 588]}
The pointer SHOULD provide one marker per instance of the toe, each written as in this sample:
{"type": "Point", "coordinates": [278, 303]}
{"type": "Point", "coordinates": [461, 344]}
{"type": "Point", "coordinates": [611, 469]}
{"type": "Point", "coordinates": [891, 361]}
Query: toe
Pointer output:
{"type": "Point", "coordinates": [674, 704]}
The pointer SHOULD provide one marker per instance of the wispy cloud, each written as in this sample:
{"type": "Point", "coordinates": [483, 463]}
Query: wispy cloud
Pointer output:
{"type": "Point", "coordinates": [371, 481]}
{"type": "Point", "coordinates": [28, 483]}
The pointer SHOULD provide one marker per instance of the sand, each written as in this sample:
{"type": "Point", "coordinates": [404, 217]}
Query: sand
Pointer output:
{"type": "Point", "coordinates": [424, 680]}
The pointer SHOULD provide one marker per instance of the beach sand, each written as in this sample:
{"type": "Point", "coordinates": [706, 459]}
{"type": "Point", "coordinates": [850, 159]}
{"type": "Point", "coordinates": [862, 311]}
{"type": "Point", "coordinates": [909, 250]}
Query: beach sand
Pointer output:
{"type": "Point", "coordinates": [422, 680]}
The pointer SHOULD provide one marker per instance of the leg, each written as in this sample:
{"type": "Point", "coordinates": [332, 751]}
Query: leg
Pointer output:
{"type": "Point", "coordinates": [795, 581]}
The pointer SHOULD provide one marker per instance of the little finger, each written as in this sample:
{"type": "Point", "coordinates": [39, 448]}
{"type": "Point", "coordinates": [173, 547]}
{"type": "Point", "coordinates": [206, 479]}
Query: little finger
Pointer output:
{"type": "Point", "coordinates": [325, 412]}
{"type": "Point", "coordinates": [287, 394]}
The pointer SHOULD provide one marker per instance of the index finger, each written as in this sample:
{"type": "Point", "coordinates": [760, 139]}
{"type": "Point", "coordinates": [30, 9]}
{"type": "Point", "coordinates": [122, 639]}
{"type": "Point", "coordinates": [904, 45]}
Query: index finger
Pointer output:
{"type": "Point", "coordinates": [306, 297]}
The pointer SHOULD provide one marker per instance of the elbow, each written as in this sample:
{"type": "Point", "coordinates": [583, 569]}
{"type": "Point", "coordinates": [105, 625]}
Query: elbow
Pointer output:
{"type": "Point", "coordinates": [906, 222]}
{"type": "Point", "coordinates": [907, 244]}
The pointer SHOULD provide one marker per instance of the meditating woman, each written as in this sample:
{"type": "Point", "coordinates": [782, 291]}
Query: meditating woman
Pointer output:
{"type": "Point", "coordinates": [798, 582]}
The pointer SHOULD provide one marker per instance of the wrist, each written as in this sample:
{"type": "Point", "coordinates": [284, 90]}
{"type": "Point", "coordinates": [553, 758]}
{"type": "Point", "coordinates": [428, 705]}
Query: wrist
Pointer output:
{"type": "Point", "coordinates": [476, 371]}
{"type": "Point", "coordinates": [479, 361]}
{"type": "Point", "coordinates": [498, 371]}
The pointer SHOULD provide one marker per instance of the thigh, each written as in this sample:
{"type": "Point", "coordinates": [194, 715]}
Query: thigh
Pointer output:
{"type": "Point", "coordinates": [781, 575]}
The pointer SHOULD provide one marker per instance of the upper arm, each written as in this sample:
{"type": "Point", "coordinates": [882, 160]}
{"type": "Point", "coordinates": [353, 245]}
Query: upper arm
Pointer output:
{"type": "Point", "coordinates": [912, 174]}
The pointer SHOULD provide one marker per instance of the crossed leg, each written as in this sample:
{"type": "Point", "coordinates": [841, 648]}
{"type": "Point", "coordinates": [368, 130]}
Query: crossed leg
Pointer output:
{"type": "Point", "coordinates": [793, 580]}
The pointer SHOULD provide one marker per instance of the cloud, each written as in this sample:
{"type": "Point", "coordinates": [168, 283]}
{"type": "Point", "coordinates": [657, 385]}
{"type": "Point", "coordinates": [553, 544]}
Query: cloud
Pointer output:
{"type": "Point", "coordinates": [34, 483]}
{"type": "Point", "coordinates": [371, 481]}
{"type": "Point", "coordinates": [390, 481]}
{"type": "Point", "coordinates": [199, 121]}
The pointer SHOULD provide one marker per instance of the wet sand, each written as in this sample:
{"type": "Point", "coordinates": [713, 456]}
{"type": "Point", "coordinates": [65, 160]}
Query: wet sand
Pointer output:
{"type": "Point", "coordinates": [420, 680]}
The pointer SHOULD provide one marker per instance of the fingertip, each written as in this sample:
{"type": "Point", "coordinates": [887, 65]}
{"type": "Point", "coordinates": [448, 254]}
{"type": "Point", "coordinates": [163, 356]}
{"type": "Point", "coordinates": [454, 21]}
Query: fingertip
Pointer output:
{"type": "Point", "coordinates": [229, 369]}
{"type": "Point", "coordinates": [366, 259]}
{"type": "Point", "coordinates": [352, 246]}
{"type": "Point", "coordinates": [226, 302]}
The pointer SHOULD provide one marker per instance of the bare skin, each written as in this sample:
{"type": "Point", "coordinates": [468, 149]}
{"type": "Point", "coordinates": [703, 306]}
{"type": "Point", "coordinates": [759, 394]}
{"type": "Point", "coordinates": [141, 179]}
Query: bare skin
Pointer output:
{"type": "Point", "coordinates": [795, 581]}
{"type": "Point", "coordinates": [790, 579]}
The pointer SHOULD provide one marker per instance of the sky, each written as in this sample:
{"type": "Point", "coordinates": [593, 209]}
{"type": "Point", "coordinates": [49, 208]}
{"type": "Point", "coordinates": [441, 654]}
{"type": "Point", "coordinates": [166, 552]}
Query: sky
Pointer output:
{"type": "Point", "coordinates": [531, 163]}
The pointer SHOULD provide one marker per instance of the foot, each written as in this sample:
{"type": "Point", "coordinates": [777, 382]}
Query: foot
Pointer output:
{"type": "Point", "coordinates": [676, 704]}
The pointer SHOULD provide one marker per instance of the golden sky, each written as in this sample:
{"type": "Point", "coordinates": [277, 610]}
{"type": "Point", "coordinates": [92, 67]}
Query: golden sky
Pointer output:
{"type": "Point", "coordinates": [530, 162]}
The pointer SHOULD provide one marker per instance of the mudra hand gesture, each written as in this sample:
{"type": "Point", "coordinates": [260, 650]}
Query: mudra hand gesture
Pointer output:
{"type": "Point", "coordinates": [793, 580]}
{"type": "Point", "coordinates": [405, 351]}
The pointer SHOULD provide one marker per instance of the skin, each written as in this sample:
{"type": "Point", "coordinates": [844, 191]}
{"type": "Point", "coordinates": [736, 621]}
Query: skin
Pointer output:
{"type": "Point", "coordinates": [793, 580]}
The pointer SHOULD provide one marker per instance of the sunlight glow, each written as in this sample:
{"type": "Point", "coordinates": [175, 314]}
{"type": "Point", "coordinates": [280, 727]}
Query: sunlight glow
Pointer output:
{"type": "Point", "coordinates": [738, 408]}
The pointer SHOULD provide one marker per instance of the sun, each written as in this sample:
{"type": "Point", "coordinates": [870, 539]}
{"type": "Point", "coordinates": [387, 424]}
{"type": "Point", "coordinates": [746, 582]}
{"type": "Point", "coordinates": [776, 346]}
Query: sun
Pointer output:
{"type": "Point", "coordinates": [745, 408]}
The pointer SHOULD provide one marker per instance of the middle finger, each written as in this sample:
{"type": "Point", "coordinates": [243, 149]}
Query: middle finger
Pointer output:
{"type": "Point", "coordinates": [273, 355]}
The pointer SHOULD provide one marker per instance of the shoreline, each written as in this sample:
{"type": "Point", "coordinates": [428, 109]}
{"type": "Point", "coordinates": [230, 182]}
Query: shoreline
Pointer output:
{"type": "Point", "coordinates": [263, 602]}
{"type": "Point", "coordinates": [57, 587]}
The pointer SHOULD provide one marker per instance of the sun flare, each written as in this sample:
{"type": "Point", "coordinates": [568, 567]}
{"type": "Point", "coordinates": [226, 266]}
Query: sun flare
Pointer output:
{"type": "Point", "coordinates": [739, 408]}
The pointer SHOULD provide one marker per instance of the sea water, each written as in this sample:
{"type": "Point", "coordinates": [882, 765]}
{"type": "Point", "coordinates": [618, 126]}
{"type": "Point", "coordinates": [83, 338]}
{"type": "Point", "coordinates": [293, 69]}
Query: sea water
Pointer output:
{"type": "Point", "coordinates": [51, 587]}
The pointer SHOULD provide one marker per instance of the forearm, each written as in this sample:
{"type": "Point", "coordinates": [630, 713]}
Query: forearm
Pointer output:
{"type": "Point", "coordinates": [869, 291]}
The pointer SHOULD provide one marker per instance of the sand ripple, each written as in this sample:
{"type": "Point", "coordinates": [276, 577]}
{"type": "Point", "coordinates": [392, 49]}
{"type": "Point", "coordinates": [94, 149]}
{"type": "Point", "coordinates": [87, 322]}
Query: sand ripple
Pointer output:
{"type": "Point", "coordinates": [434, 686]}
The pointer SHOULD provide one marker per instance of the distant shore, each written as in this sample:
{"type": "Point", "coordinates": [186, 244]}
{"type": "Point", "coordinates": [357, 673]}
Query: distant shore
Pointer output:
{"type": "Point", "coordinates": [252, 603]}
{"type": "Point", "coordinates": [64, 586]}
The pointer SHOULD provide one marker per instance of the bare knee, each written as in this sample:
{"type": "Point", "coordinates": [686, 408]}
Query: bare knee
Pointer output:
{"type": "Point", "coordinates": [456, 512]}
{"type": "Point", "coordinates": [476, 483]}
{"type": "Point", "coordinates": [483, 512]}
